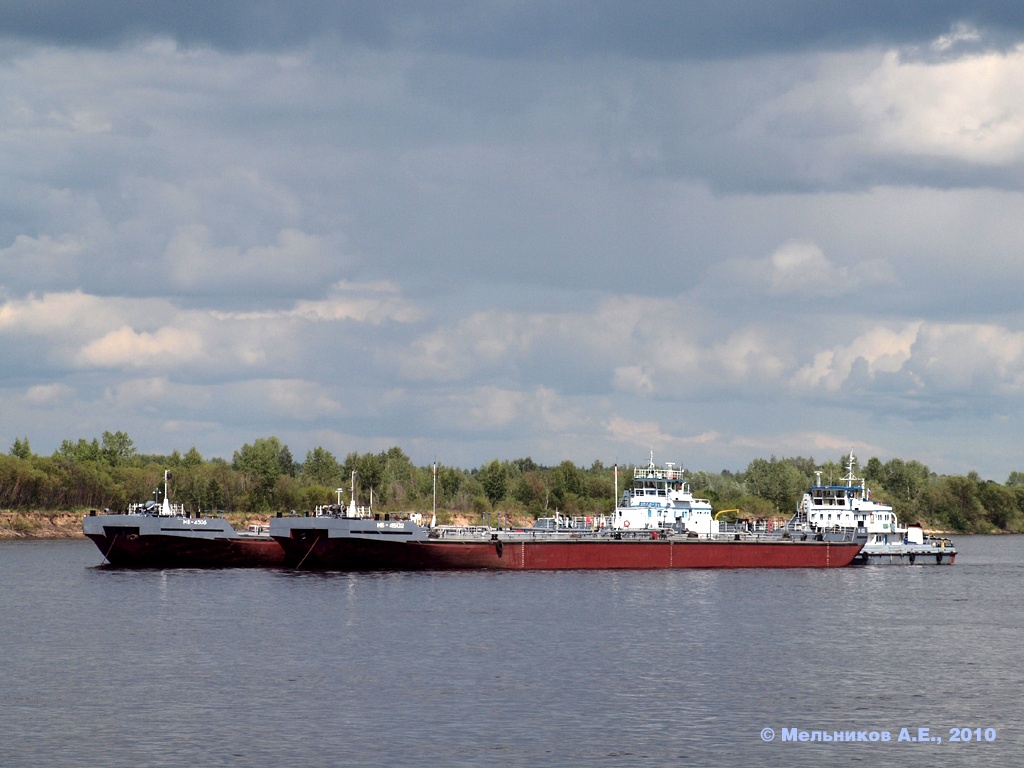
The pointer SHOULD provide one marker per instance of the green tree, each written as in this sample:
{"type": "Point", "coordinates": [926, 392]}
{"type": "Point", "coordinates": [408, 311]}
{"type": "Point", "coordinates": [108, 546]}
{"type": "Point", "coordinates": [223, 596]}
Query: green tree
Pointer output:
{"type": "Point", "coordinates": [904, 479]}
{"type": "Point", "coordinates": [369, 469]}
{"type": "Point", "coordinates": [999, 503]}
{"type": "Point", "coordinates": [874, 472]}
{"type": "Point", "coordinates": [723, 490]}
{"type": "Point", "coordinates": [193, 458]}
{"type": "Point", "coordinates": [450, 482]}
{"type": "Point", "coordinates": [214, 494]}
{"type": "Point", "coordinates": [321, 468]}
{"type": "Point", "coordinates": [494, 478]}
{"type": "Point", "coordinates": [21, 449]}
{"type": "Point", "coordinates": [80, 451]}
{"type": "Point", "coordinates": [524, 465]}
{"type": "Point", "coordinates": [286, 462]}
{"type": "Point", "coordinates": [22, 485]}
{"type": "Point", "coordinates": [955, 500]}
{"type": "Point", "coordinates": [776, 480]}
{"type": "Point", "coordinates": [117, 448]}
{"type": "Point", "coordinates": [568, 483]}
{"type": "Point", "coordinates": [261, 464]}
{"type": "Point", "coordinates": [600, 487]}
{"type": "Point", "coordinates": [398, 483]}
{"type": "Point", "coordinates": [532, 492]}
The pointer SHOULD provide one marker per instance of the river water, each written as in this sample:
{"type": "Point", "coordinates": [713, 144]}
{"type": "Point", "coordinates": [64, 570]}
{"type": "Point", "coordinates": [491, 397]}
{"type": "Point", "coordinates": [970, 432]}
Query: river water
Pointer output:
{"type": "Point", "coordinates": [276, 668]}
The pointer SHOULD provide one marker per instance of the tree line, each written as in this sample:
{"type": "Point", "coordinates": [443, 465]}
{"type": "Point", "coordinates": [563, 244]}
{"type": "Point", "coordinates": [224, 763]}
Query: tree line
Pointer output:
{"type": "Point", "coordinates": [264, 477]}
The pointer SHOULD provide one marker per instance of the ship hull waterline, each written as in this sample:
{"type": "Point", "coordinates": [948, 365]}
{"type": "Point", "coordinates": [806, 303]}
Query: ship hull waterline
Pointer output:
{"type": "Point", "coordinates": [321, 552]}
{"type": "Point", "coordinates": [154, 551]}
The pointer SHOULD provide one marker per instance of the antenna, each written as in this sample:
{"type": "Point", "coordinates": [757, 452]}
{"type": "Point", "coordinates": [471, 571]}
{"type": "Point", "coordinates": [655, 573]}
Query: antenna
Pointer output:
{"type": "Point", "coordinates": [352, 502]}
{"type": "Point", "coordinates": [165, 507]}
{"type": "Point", "coordinates": [851, 462]}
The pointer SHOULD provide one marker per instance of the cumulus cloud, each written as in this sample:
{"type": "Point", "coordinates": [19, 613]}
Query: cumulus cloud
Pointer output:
{"type": "Point", "coordinates": [480, 341]}
{"type": "Point", "coordinates": [965, 357]}
{"type": "Point", "coordinates": [50, 394]}
{"type": "Point", "coordinates": [49, 260]}
{"type": "Point", "coordinates": [83, 332]}
{"type": "Point", "coordinates": [653, 436]}
{"type": "Point", "coordinates": [799, 269]}
{"type": "Point", "coordinates": [375, 303]}
{"type": "Point", "coordinates": [211, 405]}
{"type": "Point", "coordinates": [671, 363]}
{"type": "Point", "coordinates": [298, 399]}
{"type": "Point", "coordinates": [881, 350]}
{"type": "Point", "coordinates": [126, 348]}
{"type": "Point", "coordinates": [921, 360]}
{"type": "Point", "coordinates": [967, 108]}
{"type": "Point", "coordinates": [633, 378]}
{"type": "Point", "coordinates": [491, 407]}
{"type": "Point", "coordinates": [961, 34]}
{"type": "Point", "coordinates": [38, 315]}
{"type": "Point", "coordinates": [527, 229]}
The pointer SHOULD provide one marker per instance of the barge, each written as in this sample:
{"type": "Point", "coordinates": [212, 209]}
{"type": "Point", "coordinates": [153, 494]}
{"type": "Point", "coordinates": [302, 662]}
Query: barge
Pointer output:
{"type": "Point", "coordinates": [164, 535]}
{"type": "Point", "coordinates": [658, 524]}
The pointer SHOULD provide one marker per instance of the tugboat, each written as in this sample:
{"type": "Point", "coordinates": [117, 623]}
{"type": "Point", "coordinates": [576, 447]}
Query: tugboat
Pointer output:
{"type": "Point", "coordinates": [849, 504]}
{"type": "Point", "coordinates": [164, 535]}
{"type": "Point", "coordinates": [658, 524]}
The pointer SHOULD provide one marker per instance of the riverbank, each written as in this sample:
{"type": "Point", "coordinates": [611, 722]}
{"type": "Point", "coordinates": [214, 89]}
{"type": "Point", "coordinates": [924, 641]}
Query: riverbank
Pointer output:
{"type": "Point", "coordinates": [40, 525]}
{"type": "Point", "coordinates": [68, 525]}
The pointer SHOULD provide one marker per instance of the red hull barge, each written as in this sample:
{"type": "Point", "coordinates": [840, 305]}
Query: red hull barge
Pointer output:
{"type": "Point", "coordinates": [141, 540]}
{"type": "Point", "coordinates": [359, 545]}
{"type": "Point", "coordinates": [122, 551]}
{"type": "Point", "coordinates": [658, 524]}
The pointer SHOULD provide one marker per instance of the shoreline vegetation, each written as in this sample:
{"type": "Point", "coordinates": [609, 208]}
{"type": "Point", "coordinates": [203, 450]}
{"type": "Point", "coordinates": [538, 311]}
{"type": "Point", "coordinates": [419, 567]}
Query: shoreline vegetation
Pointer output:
{"type": "Point", "coordinates": [46, 496]}
{"type": "Point", "coordinates": [41, 526]}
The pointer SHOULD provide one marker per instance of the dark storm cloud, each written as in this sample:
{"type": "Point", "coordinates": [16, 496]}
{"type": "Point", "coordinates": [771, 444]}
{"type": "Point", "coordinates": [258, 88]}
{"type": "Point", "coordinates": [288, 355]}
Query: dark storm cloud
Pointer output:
{"type": "Point", "coordinates": [223, 24]}
{"type": "Point", "coordinates": [658, 29]}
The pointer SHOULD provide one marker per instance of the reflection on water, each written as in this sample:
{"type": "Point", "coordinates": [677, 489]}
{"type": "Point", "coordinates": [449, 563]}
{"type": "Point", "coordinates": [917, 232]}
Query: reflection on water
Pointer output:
{"type": "Point", "coordinates": [241, 667]}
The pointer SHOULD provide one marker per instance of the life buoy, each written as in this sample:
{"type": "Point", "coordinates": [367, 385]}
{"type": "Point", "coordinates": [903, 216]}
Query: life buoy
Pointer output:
{"type": "Point", "coordinates": [625, 523]}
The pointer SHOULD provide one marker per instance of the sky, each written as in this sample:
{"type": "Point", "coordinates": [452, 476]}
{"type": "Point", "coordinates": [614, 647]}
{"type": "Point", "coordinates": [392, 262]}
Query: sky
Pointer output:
{"type": "Point", "coordinates": [579, 230]}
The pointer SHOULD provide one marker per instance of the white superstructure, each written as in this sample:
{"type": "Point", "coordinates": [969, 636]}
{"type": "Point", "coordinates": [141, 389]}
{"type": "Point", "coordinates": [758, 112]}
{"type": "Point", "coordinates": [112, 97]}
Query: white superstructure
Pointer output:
{"type": "Point", "coordinates": [849, 505]}
{"type": "Point", "coordinates": [661, 498]}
